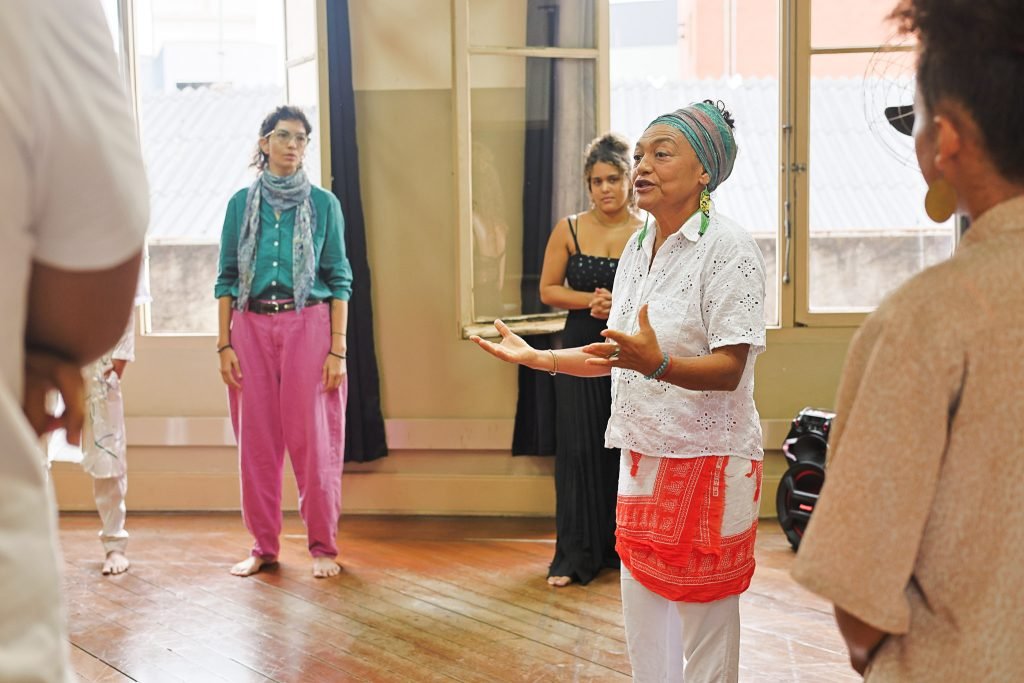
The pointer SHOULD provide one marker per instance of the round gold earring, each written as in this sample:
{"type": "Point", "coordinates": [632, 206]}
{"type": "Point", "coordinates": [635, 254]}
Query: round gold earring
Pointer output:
{"type": "Point", "coordinates": [940, 200]}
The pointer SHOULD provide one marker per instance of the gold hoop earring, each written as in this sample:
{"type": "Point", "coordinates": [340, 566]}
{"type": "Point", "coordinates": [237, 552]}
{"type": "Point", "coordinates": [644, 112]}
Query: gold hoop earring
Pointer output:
{"type": "Point", "coordinates": [940, 200]}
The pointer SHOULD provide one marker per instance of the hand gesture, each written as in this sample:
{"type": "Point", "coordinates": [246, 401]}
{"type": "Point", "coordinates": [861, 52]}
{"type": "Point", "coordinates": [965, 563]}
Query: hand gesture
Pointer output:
{"type": "Point", "coordinates": [511, 349]}
{"type": "Point", "coordinates": [43, 372]}
{"type": "Point", "coordinates": [333, 372]}
{"type": "Point", "coordinates": [601, 304]}
{"type": "Point", "coordinates": [230, 369]}
{"type": "Point", "coordinates": [639, 351]}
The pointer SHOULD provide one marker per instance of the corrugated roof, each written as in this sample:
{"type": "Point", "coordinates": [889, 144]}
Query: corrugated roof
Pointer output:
{"type": "Point", "coordinates": [859, 184]}
{"type": "Point", "coordinates": [197, 144]}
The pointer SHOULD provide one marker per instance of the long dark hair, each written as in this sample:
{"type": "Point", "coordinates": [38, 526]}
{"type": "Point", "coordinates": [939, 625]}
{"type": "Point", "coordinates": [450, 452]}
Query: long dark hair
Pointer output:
{"type": "Point", "coordinates": [972, 52]}
{"type": "Point", "coordinates": [282, 113]}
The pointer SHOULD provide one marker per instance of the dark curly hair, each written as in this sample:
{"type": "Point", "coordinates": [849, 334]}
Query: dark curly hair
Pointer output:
{"type": "Point", "coordinates": [283, 113]}
{"type": "Point", "coordinates": [972, 53]}
{"type": "Point", "coordinates": [612, 149]}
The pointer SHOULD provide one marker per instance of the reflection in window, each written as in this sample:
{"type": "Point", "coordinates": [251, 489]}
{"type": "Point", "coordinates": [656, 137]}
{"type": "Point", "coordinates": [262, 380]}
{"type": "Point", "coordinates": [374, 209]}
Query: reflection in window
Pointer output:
{"type": "Point", "coordinates": [531, 119]}
{"type": "Point", "coordinates": [490, 235]}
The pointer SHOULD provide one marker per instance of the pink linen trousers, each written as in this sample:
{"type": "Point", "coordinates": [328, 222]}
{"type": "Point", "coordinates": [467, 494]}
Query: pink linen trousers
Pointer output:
{"type": "Point", "coordinates": [283, 406]}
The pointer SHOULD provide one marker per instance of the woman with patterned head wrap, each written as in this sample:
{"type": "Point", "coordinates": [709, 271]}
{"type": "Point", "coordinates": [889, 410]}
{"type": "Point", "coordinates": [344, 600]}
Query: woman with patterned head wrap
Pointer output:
{"type": "Point", "coordinates": [685, 328]}
{"type": "Point", "coordinates": [283, 289]}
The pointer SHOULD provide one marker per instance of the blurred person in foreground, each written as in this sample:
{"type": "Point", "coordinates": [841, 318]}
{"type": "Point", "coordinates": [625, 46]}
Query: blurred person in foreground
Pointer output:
{"type": "Point", "coordinates": [75, 209]}
{"type": "Point", "coordinates": [917, 538]}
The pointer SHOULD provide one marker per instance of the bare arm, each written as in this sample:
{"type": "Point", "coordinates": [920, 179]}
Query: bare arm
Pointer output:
{"type": "Point", "coordinates": [553, 291]}
{"type": "Point", "coordinates": [230, 368]}
{"type": "Point", "coordinates": [721, 370]}
{"type": "Point", "coordinates": [861, 638]}
{"type": "Point", "coordinates": [79, 315]}
{"type": "Point", "coordinates": [224, 320]}
{"type": "Point", "coordinates": [339, 326]}
{"type": "Point", "coordinates": [570, 362]}
{"type": "Point", "coordinates": [512, 349]}
{"type": "Point", "coordinates": [336, 362]}
{"type": "Point", "coordinates": [73, 318]}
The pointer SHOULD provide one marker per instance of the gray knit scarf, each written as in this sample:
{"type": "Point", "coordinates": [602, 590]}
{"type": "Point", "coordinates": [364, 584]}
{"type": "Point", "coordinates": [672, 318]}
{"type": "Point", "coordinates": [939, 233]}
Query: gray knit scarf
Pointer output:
{"type": "Point", "coordinates": [282, 193]}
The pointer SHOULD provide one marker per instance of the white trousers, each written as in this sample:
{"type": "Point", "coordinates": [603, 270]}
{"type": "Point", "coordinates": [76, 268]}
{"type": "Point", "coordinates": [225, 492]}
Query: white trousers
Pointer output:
{"type": "Point", "coordinates": [103, 451]}
{"type": "Point", "coordinates": [666, 638]}
{"type": "Point", "coordinates": [105, 456]}
{"type": "Point", "coordinates": [109, 493]}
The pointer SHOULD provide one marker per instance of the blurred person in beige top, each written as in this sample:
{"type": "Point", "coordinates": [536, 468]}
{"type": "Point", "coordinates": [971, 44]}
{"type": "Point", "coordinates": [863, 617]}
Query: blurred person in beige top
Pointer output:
{"type": "Point", "coordinates": [918, 538]}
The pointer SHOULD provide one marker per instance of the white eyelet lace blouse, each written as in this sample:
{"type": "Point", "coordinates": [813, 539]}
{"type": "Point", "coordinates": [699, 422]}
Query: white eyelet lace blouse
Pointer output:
{"type": "Point", "coordinates": [702, 292]}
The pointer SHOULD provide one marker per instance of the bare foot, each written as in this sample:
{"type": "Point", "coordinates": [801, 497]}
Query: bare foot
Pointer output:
{"type": "Point", "coordinates": [325, 567]}
{"type": "Point", "coordinates": [559, 581]}
{"type": "Point", "coordinates": [250, 566]}
{"type": "Point", "coordinates": [116, 563]}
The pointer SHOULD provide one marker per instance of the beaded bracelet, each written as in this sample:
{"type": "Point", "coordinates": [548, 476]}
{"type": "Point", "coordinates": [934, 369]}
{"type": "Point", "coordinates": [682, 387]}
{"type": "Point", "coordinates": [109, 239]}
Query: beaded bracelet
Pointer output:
{"type": "Point", "coordinates": [666, 361]}
{"type": "Point", "coordinates": [668, 369]}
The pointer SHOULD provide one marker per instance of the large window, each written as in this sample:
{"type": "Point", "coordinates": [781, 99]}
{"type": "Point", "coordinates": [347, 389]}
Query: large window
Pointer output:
{"type": "Point", "coordinates": [527, 94]}
{"type": "Point", "coordinates": [204, 73]}
{"type": "Point", "coordinates": [829, 190]}
{"type": "Point", "coordinates": [867, 231]}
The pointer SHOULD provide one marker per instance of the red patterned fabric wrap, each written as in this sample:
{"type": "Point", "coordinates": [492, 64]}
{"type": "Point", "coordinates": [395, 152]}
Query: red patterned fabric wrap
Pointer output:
{"type": "Point", "coordinates": [669, 522]}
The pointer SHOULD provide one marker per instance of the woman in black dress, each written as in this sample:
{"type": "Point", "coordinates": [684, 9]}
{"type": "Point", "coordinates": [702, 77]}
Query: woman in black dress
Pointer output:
{"type": "Point", "coordinates": [579, 268]}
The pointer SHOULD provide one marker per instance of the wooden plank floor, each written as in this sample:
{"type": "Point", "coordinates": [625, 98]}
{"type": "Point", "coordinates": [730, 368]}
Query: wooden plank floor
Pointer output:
{"type": "Point", "coordinates": [421, 599]}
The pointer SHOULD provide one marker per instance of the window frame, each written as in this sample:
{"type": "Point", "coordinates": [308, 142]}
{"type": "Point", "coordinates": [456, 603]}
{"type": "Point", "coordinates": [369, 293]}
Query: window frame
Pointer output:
{"type": "Point", "coordinates": [799, 51]}
{"type": "Point", "coordinates": [463, 50]}
{"type": "Point", "coordinates": [128, 63]}
{"type": "Point", "coordinates": [793, 230]}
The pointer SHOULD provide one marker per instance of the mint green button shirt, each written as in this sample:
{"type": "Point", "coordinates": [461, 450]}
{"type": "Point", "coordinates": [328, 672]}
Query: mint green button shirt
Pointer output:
{"type": "Point", "coordinates": [272, 278]}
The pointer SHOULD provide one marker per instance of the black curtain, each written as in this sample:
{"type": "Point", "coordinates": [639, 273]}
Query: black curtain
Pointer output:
{"type": "Point", "coordinates": [534, 429]}
{"type": "Point", "coordinates": [364, 423]}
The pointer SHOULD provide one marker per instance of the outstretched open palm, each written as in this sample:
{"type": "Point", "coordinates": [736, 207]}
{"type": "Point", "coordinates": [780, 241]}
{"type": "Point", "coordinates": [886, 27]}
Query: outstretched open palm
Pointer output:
{"type": "Point", "coordinates": [511, 349]}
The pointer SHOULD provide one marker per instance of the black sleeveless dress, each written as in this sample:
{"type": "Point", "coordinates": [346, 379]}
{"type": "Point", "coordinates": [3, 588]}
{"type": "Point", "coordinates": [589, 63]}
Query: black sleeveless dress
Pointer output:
{"type": "Point", "coordinates": [586, 473]}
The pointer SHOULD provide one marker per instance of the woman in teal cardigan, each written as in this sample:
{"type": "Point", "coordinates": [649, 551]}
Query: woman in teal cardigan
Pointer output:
{"type": "Point", "coordinates": [283, 290]}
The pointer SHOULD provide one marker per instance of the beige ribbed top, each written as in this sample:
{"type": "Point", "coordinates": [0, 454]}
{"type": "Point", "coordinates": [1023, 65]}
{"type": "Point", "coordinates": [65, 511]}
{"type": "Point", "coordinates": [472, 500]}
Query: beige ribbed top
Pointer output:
{"type": "Point", "coordinates": [920, 526]}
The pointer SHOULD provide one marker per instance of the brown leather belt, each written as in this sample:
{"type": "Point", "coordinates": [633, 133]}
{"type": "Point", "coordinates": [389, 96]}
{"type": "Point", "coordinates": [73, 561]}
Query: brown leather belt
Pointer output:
{"type": "Point", "coordinates": [271, 307]}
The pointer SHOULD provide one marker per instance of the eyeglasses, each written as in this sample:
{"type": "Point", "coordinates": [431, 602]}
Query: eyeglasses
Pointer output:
{"type": "Point", "coordinates": [286, 136]}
